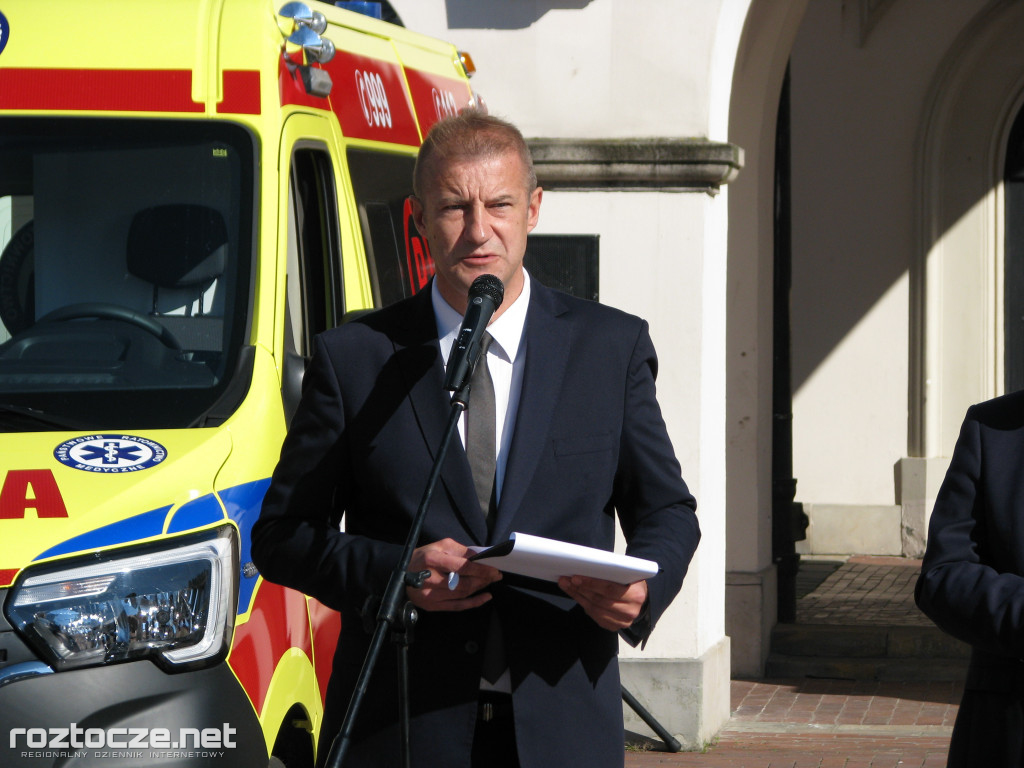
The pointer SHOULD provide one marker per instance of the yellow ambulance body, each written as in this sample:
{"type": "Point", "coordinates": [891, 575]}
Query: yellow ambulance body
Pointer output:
{"type": "Point", "coordinates": [189, 191]}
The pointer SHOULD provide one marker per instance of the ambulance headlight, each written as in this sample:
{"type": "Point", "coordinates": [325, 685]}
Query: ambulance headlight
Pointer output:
{"type": "Point", "coordinates": [174, 604]}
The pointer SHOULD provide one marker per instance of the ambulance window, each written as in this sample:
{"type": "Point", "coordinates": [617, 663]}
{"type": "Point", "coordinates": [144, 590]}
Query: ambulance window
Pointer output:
{"type": "Point", "coordinates": [382, 252]}
{"type": "Point", "coordinates": [314, 294]}
{"type": "Point", "coordinates": [16, 246]}
{"type": "Point", "coordinates": [126, 260]}
{"type": "Point", "coordinates": [398, 259]}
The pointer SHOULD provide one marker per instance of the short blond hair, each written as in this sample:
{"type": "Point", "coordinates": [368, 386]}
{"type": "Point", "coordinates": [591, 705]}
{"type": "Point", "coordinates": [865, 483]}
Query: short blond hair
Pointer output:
{"type": "Point", "coordinates": [470, 135]}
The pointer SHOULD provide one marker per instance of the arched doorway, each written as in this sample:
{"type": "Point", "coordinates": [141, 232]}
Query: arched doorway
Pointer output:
{"type": "Point", "coordinates": [963, 274]}
{"type": "Point", "coordinates": [900, 273]}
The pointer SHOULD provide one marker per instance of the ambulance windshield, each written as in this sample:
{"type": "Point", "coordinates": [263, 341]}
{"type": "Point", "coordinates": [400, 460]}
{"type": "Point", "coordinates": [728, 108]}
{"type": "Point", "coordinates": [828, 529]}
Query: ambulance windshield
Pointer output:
{"type": "Point", "coordinates": [125, 269]}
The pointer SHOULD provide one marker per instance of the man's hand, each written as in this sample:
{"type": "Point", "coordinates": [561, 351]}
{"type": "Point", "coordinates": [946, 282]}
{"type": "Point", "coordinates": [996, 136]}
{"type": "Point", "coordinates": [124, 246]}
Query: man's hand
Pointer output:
{"type": "Point", "coordinates": [613, 606]}
{"type": "Point", "coordinates": [443, 558]}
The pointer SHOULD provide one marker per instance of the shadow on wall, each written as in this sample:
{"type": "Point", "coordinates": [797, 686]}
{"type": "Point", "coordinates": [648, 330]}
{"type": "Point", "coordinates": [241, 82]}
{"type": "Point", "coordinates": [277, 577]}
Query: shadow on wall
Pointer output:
{"type": "Point", "coordinates": [502, 14]}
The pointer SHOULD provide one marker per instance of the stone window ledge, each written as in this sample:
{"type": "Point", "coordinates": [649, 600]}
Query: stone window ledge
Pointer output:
{"type": "Point", "coordinates": [664, 164]}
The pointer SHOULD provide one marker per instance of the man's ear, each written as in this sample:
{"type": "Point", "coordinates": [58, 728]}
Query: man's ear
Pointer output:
{"type": "Point", "coordinates": [417, 215]}
{"type": "Point", "coordinates": [533, 208]}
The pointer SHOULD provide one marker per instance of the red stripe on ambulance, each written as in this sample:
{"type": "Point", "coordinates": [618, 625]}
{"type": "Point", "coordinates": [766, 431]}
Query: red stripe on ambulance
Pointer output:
{"type": "Point", "coordinates": [279, 621]}
{"type": "Point", "coordinates": [122, 90]}
{"type": "Point", "coordinates": [241, 92]}
{"type": "Point", "coordinates": [418, 260]}
{"type": "Point", "coordinates": [113, 90]}
{"type": "Point", "coordinates": [370, 99]}
{"type": "Point", "coordinates": [326, 626]}
{"type": "Point", "coordinates": [289, 80]}
{"type": "Point", "coordinates": [435, 97]}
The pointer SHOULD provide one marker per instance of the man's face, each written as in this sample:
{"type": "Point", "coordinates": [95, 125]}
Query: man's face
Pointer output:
{"type": "Point", "coordinates": [475, 214]}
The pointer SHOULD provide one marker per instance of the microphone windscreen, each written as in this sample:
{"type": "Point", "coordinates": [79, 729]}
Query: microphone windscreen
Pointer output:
{"type": "Point", "coordinates": [488, 287]}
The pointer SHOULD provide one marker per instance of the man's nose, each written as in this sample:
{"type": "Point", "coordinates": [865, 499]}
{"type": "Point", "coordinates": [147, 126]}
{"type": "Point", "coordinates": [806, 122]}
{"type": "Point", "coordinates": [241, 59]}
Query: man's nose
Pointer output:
{"type": "Point", "coordinates": [478, 224]}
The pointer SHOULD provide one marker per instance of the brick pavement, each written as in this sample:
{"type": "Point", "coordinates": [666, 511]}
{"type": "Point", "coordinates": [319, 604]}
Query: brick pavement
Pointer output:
{"type": "Point", "coordinates": [833, 723]}
{"type": "Point", "coordinates": [862, 590]}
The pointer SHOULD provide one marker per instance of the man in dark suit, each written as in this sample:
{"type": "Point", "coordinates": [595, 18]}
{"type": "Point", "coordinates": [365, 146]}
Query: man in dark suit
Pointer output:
{"type": "Point", "coordinates": [578, 438]}
{"type": "Point", "coordinates": [972, 580]}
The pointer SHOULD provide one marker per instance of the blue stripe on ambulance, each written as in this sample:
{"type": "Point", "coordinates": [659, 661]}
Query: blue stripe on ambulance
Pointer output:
{"type": "Point", "coordinates": [130, 529]}
{"type": "Point", "coordinates": [242, 503]}
{"type": "Point", "coordinates": [196, 514]}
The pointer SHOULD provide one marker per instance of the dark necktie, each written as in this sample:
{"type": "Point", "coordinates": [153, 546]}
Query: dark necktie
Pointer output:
{"type": "Point", "coordinates": [480, 441]}
{"type": "Point", "coordinates": [480, 430]}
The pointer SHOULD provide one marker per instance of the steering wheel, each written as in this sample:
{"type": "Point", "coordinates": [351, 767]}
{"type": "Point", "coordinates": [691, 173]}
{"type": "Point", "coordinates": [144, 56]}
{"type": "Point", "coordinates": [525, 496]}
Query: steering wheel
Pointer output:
{"type": "Point", "coordinates": [105, 311]}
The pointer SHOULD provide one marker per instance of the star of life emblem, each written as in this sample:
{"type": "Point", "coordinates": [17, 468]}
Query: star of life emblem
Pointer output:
{"type": "Point", "coordinates": [110, 454]}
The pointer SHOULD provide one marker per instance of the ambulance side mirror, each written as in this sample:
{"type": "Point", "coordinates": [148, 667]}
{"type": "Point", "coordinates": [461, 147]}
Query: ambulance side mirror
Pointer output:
{"type": "Point", "coordinates": [302, 29]}
{"type": "Point", "coordinates": [317, 48]}
{"type": "Point", "coordinates": [300, 14]}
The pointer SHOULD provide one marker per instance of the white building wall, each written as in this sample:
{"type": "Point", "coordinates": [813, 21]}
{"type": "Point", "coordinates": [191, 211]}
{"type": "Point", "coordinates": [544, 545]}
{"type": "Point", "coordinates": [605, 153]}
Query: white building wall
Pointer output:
{"type": "Point", "coordinates": [857, 112]}
{"type": "Point", "coordinates": [597, 69]}
{"type": "Point", "coordinates": [679, 297]}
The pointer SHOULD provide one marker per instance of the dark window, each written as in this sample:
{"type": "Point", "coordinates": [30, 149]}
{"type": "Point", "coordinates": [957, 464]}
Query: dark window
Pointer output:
{"type": "Point", "coordinates": [315, 299]}
{"type": "Point", "coordinates": [566, 262]}
{"type": "Point", "coordinates": [398, 258]}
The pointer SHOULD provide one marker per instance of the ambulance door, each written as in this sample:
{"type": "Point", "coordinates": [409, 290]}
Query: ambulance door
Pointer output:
{"type": "Point", "coordinates": [398, 259]}
{"type": "Point", "coordinates": [314, 295]}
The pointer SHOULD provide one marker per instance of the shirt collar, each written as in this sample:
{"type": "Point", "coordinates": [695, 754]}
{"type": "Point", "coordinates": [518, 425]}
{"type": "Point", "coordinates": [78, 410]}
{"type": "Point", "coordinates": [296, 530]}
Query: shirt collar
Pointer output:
{"type": "Point", "coordinates": [507, 330]}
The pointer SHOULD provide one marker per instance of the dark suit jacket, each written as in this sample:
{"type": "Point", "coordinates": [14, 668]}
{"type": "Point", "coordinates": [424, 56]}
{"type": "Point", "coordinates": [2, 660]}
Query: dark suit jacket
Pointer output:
{"type": "Point", "coordinates": [589, 440]}
{"type": "Point", "coordinates": [972, 579]}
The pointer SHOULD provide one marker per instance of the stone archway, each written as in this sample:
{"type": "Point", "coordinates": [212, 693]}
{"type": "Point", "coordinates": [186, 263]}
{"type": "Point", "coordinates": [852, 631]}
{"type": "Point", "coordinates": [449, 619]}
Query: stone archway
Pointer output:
{"type": "Point", "coordinates": [750, 580]}
{"type": "Point", "coordinates": [957, 276]}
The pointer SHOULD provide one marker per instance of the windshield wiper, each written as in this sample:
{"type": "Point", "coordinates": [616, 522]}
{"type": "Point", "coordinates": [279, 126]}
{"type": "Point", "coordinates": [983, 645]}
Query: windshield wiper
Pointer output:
{"type": "Point", "coordinates": [22, 418]}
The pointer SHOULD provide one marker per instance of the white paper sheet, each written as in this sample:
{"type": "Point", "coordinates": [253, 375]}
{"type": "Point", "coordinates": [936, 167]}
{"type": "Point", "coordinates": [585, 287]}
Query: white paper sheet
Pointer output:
{"type": "Point", "coordinates": [549, 559]}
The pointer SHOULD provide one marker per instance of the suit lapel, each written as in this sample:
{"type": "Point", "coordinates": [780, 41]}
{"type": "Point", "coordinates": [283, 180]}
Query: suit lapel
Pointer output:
{"type": "Point", "coordinates": [416, 339]}
{"type": "Point", "coordinates": [547, 352]}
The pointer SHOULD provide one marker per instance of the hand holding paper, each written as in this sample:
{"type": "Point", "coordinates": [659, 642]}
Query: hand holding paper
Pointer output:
{"type": "Point", "coordinates": [439, 591]}
{"type": "Point", "coordinates": [549, 559]}
{"type": "Point", "coordinates": [612, 606]}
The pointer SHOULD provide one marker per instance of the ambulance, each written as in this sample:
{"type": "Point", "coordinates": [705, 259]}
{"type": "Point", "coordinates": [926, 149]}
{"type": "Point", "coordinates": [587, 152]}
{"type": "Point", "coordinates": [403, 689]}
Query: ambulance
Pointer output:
{"type": "Point", "coordinates": [189, 192]}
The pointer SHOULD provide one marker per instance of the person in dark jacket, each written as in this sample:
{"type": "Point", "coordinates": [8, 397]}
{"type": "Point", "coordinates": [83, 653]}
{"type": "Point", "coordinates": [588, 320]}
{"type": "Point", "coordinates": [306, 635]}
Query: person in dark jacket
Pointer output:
{"type": "Point", "coordinates": [972, 580]}
{"type": "Point", "coordinates": [579, 439]}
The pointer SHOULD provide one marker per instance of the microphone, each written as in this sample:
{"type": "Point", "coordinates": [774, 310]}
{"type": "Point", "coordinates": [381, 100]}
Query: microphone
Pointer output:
{"type": "Point", "coordinates": [485, 296]}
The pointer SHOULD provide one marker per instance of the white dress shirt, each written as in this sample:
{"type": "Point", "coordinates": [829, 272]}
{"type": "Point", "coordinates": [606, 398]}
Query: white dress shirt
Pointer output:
{"type": "Point", "coordinates": [506, 360]}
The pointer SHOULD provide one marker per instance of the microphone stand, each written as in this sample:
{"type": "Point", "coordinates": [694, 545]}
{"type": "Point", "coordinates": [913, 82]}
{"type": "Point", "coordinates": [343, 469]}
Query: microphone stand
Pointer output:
{"type": "Point", "coordinates": [395, 610]}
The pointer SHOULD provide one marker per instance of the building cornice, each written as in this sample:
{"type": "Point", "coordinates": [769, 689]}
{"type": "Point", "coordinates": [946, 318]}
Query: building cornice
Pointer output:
{"type": "Point", "coordinates": [665, 164]}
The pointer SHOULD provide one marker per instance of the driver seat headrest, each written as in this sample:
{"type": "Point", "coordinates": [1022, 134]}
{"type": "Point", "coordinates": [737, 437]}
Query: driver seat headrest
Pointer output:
{"type": "Point", "coordinates": [177, 246]}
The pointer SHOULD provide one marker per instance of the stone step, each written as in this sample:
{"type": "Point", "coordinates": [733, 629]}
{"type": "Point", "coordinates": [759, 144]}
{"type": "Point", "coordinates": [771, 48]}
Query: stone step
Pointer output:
{"type": "Point", "coordinates": [866, 640]}
{"type": "Point", "coordinates": [779, 667]}
{"type": "Point", "coordinates": [865, 652]}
